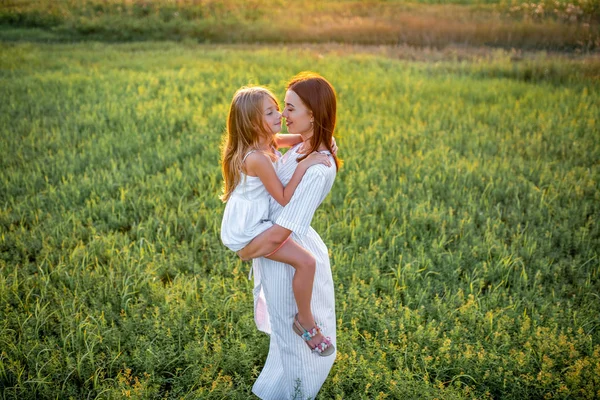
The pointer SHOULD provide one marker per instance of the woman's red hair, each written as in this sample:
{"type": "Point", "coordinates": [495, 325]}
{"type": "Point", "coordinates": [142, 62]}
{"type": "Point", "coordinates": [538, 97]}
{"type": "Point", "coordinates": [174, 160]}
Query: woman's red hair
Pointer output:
{"type": "Point", "coordinates": [319, 97]}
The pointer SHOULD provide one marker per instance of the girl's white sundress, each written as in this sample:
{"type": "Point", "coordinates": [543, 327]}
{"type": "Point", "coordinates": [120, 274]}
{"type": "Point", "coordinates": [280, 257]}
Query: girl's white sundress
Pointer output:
{"type": "Point", "coordinates": [291, 370]}
{"type": "Point", "coordinates": [246, 212]}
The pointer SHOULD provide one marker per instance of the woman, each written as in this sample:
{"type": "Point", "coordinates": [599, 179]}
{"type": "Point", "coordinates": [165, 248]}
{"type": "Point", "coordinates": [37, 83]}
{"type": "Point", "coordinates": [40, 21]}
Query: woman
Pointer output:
{"type": "Point", "coordinates": [291, 369]}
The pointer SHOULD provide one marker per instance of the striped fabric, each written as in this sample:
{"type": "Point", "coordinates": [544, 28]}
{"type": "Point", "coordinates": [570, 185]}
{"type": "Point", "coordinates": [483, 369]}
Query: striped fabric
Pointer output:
{"type": "Point", "coordinates": [291, 370]}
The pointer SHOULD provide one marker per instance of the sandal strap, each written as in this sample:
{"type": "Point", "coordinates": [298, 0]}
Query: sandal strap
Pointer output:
{"type": "Point", "coordinates": [324, 345]}
{"type": "Point", "coordinates": [308, 334]}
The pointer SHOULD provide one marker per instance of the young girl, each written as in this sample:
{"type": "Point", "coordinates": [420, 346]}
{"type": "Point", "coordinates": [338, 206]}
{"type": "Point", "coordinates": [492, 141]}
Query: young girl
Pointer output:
{"type": "Point", "coordinates": [249, 156]}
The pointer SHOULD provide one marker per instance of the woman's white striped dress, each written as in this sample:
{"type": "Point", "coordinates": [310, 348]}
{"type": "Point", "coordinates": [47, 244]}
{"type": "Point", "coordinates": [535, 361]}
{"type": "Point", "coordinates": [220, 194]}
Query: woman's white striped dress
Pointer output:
{"type": "Point", "coordinates": [292, 371]}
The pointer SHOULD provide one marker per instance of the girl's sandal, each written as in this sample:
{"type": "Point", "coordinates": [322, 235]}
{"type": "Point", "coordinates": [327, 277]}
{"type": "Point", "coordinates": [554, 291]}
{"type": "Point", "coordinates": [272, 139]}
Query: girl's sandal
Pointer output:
{"type": "Point", "coordinates": [324, 349]}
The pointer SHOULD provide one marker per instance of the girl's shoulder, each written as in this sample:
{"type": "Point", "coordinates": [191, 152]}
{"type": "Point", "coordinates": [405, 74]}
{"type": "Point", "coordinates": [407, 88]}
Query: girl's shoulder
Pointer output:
{"type": "Point", "coordinates": [256, 156]}
{"type": "Point", "coordinates": [257, 161]}
{"type": "Point", "coordinates": [248, 153]}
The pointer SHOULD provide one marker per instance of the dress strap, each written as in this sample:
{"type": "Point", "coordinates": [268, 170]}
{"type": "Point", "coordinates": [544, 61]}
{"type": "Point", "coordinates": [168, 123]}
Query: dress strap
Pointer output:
{"type": "Point", "coordinates": [247, 154]}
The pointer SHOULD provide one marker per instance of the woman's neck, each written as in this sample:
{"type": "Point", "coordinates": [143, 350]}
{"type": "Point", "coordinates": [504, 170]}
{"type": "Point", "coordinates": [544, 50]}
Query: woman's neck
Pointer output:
{"type": "Point", "coordinates": [307, 135]}
{"type": "Point", "coordinates": [307, 146]}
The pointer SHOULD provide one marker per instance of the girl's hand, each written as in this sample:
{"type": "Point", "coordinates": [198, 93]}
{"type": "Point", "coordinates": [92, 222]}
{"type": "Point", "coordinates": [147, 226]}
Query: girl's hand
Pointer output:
{"type": "Point", "coordinates": [334, 147]}
{"type": "Point", "coordinates": [316, 158]}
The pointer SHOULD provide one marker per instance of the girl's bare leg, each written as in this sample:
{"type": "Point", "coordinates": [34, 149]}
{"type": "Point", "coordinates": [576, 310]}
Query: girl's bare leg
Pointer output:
{"type": "Point", "coordinates": [304, 263]}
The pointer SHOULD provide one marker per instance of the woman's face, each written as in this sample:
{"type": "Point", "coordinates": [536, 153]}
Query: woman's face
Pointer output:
{"type": "Point", "coordinates": [271, 115]}
{"type": "Point", "coordinates": [298, 118]}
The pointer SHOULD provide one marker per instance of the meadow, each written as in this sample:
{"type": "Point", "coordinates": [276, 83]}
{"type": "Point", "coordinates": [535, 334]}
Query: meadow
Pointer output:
{"type": "Point", "coordinates": [565, 25]}
{"type": "Point", "coordinates": [462, 227]}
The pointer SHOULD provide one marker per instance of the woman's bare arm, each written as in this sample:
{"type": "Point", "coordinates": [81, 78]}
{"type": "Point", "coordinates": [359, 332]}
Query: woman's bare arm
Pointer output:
{"type": "Point", "coordinates": [265, 243]}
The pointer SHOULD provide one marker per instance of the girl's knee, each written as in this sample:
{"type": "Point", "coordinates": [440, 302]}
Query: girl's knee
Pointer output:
{"type": "Point", "coordinates": [307, 263]}
{"type": "Point", "coordinates": [310, 263]}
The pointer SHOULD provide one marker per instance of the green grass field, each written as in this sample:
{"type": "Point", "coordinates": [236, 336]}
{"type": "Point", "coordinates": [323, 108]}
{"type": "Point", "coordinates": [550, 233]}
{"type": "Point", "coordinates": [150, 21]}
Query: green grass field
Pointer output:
{"type": "Point", "coordinates": [462, 228]}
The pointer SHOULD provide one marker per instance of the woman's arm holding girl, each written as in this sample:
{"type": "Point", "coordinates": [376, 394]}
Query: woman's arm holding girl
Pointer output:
{"type": "Point", "coordinates": [265, 243]}
{"type": "Point", "coordinates": [296, 217]}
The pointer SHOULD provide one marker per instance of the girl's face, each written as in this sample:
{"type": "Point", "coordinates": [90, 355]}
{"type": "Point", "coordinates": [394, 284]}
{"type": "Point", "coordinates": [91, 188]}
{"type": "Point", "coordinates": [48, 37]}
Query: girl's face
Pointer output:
{"type": "Point", "coordinates": [271, 115]}
{"type": "Point", "coordinates": [298, 118]}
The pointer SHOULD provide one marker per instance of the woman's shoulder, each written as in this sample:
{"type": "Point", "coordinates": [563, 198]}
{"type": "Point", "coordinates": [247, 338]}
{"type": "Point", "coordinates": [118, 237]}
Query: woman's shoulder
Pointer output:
{"type": "Point", "coordinates": [320, 170]}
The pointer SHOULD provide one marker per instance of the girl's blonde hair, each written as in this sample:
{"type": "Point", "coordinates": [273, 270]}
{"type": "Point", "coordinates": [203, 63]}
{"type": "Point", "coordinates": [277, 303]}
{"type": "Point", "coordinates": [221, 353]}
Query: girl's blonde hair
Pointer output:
{"type": "Point", "coordinates": [245, 127]}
